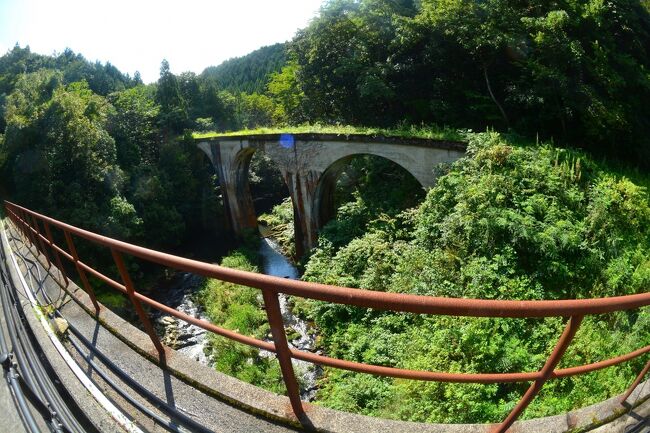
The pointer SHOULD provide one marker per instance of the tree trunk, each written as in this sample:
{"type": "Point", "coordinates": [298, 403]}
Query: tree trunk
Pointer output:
{"type": "Point", "coordinates": [494, 99]}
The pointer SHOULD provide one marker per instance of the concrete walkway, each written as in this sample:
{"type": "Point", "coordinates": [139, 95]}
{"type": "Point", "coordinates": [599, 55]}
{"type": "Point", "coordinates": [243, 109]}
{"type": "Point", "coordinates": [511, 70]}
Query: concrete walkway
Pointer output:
{"type": "Point", "coordinates": [207, 411]}
{"type": "Point", "coordinates": [211, 413]}
{"type": "Point", "coordinates": [11, 421]}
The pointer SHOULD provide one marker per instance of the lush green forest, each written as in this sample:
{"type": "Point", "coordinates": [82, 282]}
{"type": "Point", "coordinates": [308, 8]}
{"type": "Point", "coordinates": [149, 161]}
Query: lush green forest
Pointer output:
{"type": "Point", "coordinates": [508, 222]}
{"type": "Point", "coordinates": [513, 220]}
{"type": "Point", "coordinates": [551, 202]}
{"type": "Point", "coordinates": [249, 73]}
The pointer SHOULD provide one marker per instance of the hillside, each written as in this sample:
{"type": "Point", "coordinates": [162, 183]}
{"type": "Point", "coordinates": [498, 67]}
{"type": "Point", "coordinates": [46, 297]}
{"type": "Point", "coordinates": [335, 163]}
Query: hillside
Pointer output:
{"type": "Point", "coordinates": [512, 220]}
{"type": "Point", "coordinates": [248, 73]}
{"type": "Point", "coordinates": [551, 202]}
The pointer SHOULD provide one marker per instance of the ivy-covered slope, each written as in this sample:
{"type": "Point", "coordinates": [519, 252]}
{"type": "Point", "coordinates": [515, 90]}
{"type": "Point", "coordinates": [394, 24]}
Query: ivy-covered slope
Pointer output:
{"type": "Point", "coordinates": [507, 222]}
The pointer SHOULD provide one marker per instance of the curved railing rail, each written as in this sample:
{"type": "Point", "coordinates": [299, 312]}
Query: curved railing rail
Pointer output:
{"type": "Point", "coordinates": [30, 223]}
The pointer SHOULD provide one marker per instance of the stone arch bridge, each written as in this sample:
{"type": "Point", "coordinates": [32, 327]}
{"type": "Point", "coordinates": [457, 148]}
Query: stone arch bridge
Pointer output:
{"type": "Point", "coordinates": [310, 165]}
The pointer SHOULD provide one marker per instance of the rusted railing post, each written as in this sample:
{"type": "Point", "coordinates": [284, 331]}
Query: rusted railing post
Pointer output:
{"type": "Point", "coordinates": [80, 271]}
{"type": "Point", "coordinates": [274, 315]}
{"type": "Point", "coordinates": [28, 229]}
{"type": "Point", "coordinates": [130, 289]}
{"type": "Point", "coordinates": [16, 221]}
{"type": "Point", "coordinates": [57, 256]}
{"type": "Point", "coordinates": [546, 371]}
{"type": "Point", "coordinates": [25, 227]}
{"type": "Point", "coordinates": [39, 236]}
{"type": "Point", "coordinates": [30, 233]}
{"type": "Point", "coordinates": [32, 228]}
{"type": "Point", "coordinates": [11, 215]}
{"type": "Point", "coordinates": [636, 382]}
{"type": "Point", "coordinates": [21, 223]}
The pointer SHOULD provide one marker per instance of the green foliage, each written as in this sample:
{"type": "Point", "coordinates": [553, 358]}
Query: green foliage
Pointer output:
{"type": "Point", "coordinates": [342, 58]}
{"type": "Point", "coordinates": [284, 89]}
{"type": "Point", "coordinates": [133, 126]}
{"type": "Point", "coordinates": [173, 106]}
{"type": "Point", "coordinates": [405, 131]}
{"type": "Point", "coordinates": [101, 78]}
{"type": "Point", "coordinates": [507, 222]}
{"type": "Point", "coordinates": [279, 223]}
{"type": "Point", "coordinates": [108, 164]}
{"type": "Point", "coordinates": [249, 73]}
{"type": "Point", "coordinates": [573, 70]}
{"type": "Point", "coordinates": [255, 110]}
{"type": "Point", "coordinates": [240, 308]}
{"type": "Point", "coordinates": [266, 181]}
{"type": "Point", "coordinates": [370, 195]}
{"type": "Point", "coordinates": [60, 155]}
{"type": "Point", "coordinates": [112, 299]}
{"type": "Point", "coordinates": [543, 208]}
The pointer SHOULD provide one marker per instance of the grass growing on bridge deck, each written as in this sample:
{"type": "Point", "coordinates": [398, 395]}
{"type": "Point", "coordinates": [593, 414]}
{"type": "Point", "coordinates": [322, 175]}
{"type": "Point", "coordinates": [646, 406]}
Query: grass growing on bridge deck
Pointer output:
{"type": "Point", "coordinates": [430, 132]}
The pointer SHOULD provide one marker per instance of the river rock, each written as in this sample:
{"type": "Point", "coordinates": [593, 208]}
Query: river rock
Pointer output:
{"type": "Point", "coordinates": [167, 321]}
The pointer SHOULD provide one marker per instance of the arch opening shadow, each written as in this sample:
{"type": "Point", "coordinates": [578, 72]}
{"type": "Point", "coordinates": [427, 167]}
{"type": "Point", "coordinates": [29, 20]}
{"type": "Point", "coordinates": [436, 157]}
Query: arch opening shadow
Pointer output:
{"type": "Point", "coordinates": [260, 181]}
{"type": "Point", "coordinates": [375, 181]}
{"type": "Point", "coordinates": [209, 238]}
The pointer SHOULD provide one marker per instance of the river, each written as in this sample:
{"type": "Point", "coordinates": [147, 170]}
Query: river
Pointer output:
{"type": "Point", "coordinates": [191, 340]}
{"type": "Point", "coordinates": [276, 264]}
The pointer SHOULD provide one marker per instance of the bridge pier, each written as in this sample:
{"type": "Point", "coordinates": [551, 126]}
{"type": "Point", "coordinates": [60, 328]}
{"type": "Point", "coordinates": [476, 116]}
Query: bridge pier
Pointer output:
{"type": "Point", "coordinates": [231, 165]}
{"type": "Point", "coordinates": [302, 188]}
{"type": "Point", "coordinates": [231, 159]}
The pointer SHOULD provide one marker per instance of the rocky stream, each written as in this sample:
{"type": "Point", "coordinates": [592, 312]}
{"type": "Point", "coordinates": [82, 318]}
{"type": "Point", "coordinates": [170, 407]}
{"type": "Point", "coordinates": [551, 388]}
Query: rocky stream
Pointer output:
{"type": "Point", "coordinates": [191, 340]}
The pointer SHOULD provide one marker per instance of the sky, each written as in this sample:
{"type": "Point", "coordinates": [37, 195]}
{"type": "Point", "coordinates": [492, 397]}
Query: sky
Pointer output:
{"type": "Point", "coordinates": [136, 35]}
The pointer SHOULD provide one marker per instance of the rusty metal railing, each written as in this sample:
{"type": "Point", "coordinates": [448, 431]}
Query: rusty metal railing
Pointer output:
{"type": "Point", "coordinates": [29, 223]}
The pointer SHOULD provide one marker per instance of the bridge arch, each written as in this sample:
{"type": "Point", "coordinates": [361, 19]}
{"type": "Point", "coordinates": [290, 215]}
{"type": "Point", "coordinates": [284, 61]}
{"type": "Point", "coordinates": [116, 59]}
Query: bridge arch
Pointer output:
{"type": "Point", "coordinates": [324, 197]}
{"type": "Point", "coordinates": [412, 162]}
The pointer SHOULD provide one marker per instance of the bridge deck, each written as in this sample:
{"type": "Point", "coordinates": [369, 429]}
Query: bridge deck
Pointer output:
{"type": "Point", "coordinates": [354, 138]}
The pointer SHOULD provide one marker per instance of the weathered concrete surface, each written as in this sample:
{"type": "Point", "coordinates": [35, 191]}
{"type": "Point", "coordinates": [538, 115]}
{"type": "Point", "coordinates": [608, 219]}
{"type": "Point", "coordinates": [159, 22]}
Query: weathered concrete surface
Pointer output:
{"type": "Point", "coordinates": [635, 420]}
{"type": "Point", "coordinates": [227, 404]}
{"type": "Point", "coordinates": [11, 420]}
{"type": "Point", "coordinates": [310, 165]}
{"type": "Point", "coordinates": [100, 418]}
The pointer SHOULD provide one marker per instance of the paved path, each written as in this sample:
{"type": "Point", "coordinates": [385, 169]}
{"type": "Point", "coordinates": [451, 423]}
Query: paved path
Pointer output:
{"type": "Point", "coordinates": [11, 421]}
{"type": "Point", "coordinates": [215, 415]}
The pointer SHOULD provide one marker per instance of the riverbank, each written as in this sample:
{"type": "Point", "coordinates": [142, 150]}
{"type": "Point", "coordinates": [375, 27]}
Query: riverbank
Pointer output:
{"type": "Point", "coordinates": [241, 309]}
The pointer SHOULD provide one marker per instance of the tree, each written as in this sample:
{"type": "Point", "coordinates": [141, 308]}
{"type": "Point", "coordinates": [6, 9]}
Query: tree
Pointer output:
{"type": "Point", "coordinates": [173, 107]}
{"type": "Point", "coordinates": [62, 158]}
{"type": "Point", "coordinates": [210, 104]}
{"type": "Point", "coordinates": [255, 110]}
{"type": "Point", "coordinates": [133, 126]}
{"type": "Point", "coordinates": [572, 70]}
{"type": "Point", "coordinates": [137, 79]}
{"type": "Point", "coordinates": [23, 156]}
{"type": "Point", "coordinates": [248, 73]}
{"type": "Point", "coordinates": [284, 90]}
